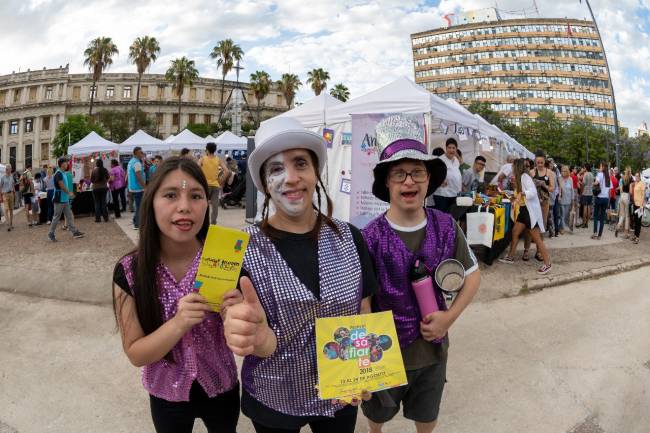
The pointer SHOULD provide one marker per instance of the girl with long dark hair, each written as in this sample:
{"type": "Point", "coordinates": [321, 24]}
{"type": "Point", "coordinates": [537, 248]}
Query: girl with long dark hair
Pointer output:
{"type": "Point", "coordinates": [166, 327]}
{"type": "Point", "coordinates": [300, 264]}
{"type": "Point", "coordinates": [529, 216]}
{"type": "Point", "coordinates": [602, 183]}
{"type": "Point", "coordinates": [99, 178]}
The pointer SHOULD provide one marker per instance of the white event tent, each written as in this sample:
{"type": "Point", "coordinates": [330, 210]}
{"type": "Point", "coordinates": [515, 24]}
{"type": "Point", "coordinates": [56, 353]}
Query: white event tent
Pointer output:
{"type": "Point", "coordinates": [186, 139]}
{"type": "Point", "coordinates": [143, 140]}
{"type": "Point", "coordinates": [399, 96]}
{"type": "Point", "coordinates": [227, 142]}
{"type": "Point", "coordinates": [92, 143]}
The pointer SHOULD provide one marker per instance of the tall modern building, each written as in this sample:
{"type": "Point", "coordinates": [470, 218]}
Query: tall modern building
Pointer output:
{"type": "Point", "coordinates": [34, 103]}
{"type": "Point", "coordinates": [518, 66]}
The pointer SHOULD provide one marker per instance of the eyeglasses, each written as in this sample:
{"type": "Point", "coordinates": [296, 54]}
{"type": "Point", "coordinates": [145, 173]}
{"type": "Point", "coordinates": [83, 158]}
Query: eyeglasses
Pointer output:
{"type": "Point", "coordinates": [399, 176]}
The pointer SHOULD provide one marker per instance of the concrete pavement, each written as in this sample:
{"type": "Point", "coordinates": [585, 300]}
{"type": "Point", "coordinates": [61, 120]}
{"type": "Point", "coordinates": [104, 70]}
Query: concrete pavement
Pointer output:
{"type": "Point", "coordinates": [572, 358]}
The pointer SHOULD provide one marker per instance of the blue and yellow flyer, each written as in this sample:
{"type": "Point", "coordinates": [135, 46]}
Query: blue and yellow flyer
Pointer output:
{"type": "Point", "coordinates": [221, 262]}
{"type": "Point", "coordinates": [357, 353]}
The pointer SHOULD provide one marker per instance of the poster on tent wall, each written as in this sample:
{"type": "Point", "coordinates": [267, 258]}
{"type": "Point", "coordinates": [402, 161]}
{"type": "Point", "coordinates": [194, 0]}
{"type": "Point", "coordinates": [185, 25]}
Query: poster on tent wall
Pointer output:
{"type": "Point", "coordinates": [364, 206]}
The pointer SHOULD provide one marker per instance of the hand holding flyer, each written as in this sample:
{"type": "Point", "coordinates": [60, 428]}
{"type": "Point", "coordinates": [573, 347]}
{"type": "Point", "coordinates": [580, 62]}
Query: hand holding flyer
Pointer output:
{"type": "Point", "coordinates": [357, 353]}
{"type": "Point", "coordinates": [221, 262]}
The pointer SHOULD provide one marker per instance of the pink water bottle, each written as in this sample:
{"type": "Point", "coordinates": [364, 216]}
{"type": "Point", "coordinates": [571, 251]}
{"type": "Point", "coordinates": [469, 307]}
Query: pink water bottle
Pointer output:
{"type": "Point", "coordinates": [422, 284]}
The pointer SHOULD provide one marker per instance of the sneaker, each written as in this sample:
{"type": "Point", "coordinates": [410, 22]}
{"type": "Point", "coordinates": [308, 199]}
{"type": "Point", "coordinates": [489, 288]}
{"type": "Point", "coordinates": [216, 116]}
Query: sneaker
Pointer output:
{"type": "Point", "coordinates": [78, 235]}
{"type": "Point", "coordinates": [544, 269]}
{"type": "Point", "coordinates": [51, 237]}
{"type": "Point", "coordinates": [507, 259]}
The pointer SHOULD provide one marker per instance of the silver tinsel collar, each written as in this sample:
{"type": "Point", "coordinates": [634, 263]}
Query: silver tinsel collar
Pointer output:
{"type": "Point", "coordinates": [395, 127]}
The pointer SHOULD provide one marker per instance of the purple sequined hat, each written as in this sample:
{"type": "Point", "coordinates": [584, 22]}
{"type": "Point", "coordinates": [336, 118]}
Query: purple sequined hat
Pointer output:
{"type": "Point", "coordinates": [407, 148]}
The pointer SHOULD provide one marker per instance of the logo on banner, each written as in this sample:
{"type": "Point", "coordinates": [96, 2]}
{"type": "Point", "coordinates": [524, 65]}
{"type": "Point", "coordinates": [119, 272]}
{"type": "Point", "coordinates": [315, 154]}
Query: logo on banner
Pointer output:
{"type": "Point", "coordinates": [369, 144]}
{"type": "Point", "coordinates": [356, 344]}
{"type": "Point", "coordinates": [346, 186]}
{"type": "Point", "coordinates": [328, 135]}
{"type": "Point", "coordinates": [346, 138]}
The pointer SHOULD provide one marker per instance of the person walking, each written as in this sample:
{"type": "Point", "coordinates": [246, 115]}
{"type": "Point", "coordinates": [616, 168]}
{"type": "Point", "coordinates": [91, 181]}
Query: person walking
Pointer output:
{"type": "Point", "coordinates": [445, 196]}
{"type": "Point", "coordinates": [8, 195]}
{"type": "Point", "coordinates": [62, 194]}
{"type": "Point", "coordinates": [602, 186]}
{"type": "Point", "coordinates": [567, 198]}
{"type": "Point", "coordinates": [587, 197]}
{"type": "Point", "coordinates": [638, 191]}
{"type": "Point", "coordinates": [529, 217]}
{"type": "Point", "coordinates": [215, 171]}
{"type": "Point", "coordinates": [624, 204]}
{"type": "Point", "coordinates": [27, 192]}
{"type": "Point", "coordinates": [99, 178]}
{"type": "Point", "coordinates": [49, 188]}
{"type": "Point", "coordinates": [117, 185]}
{"type": "Point", "coordinates": [136, 182]}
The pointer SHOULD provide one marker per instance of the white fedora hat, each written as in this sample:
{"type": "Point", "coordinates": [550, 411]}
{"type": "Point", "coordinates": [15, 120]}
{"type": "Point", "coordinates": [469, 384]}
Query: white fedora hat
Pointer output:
{"type": "Point", "coordinates": [279, 134]}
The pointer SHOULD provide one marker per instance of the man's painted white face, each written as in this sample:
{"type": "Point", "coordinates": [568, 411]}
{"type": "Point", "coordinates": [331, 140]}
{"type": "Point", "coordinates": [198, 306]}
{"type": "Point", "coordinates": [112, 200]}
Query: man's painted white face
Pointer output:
{"type": "Point", "coordinates": [291, 180]}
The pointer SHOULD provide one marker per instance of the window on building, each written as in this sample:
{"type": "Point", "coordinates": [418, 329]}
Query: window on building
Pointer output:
{"type": "Point", "coordinates": [76, 92]}
{"type": "Point", "coordinates": [159, 119]}
{"type": "Point", "coordinates": [45, 151]}
{"type": "Point", "coordinates": [207, 117]}
{"type": "Point", "coordinates": [28, 155]}
{"type": "Point", "coordinates": [93, 92]}
{"type": "Point", "coordinates": [1, 125]}
{"type": "Point", "coordinates": [12, 156]}
{"type": "Point", "coordinates": [17, 95]}
{"type": "Point", "coordinates": [32, 94]}
{"type": "Point", "coordinates": [3, 96]}
{"type": "Point", "coordinates": [110, 91]}
{"type": "Point", "coordinates": [13, 127]}
{"type": "Point", "coordinates": [175, 119]}
{"type": "Point", "coordinates": [192, 93]}
{"type": "Point", "coordinates": [161, 91]}
{"type": "Point", "coordinates": [144, 91]}
{"type": "Point", "coordinates": [29, 124]}
{"type": "Point", "coordinates": [46, 123]}
{"type": "Point", "coordinates": [192, 118]}
{"type": "Point", "coordinates": [126, 92]}
{"type": "Point", "coordinates": [49, 92]}
{"type": "Point", "coordinates": [208, 94]}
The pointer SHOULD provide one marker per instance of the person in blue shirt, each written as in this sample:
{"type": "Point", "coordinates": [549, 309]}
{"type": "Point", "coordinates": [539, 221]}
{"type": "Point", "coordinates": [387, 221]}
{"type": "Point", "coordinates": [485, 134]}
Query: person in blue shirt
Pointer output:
{"type": "Point", "coordinates": [62, 195]}
{"type": "Point", "coordinates": [136, 182]}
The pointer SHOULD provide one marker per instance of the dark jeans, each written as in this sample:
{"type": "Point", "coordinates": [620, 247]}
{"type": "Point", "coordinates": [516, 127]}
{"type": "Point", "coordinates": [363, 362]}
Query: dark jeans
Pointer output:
{"type": "Point", "coordinates": [122, 195]}
{"type": "Point", "coordinates": [99, 197]}
{"type": "Point", "coordinates": [49, 204]}
{"type": "Point", "coordinates": [117, 207]}
{"type": "Point", "coordinates": [137, 198]}
{"type": "Point", "coordinates": [219, 414]}
{"type": "Point", "coordinates": [338, 424]}
{"type": "Point", "coordinates": [636, 219]}
{"type": "Point", "coordinates": [556, 214]}
{"type": "Point", "coordinates": [600, 214]}
{"type": "Point", "coordinates": [443, 203]}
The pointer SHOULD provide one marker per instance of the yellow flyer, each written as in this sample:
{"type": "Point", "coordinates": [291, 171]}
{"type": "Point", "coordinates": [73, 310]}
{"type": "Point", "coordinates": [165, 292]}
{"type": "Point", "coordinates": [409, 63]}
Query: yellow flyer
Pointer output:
{"type": "Point", "coordinates": [221, 262]}
{"type": "Point", "coordinates": [356, 353]}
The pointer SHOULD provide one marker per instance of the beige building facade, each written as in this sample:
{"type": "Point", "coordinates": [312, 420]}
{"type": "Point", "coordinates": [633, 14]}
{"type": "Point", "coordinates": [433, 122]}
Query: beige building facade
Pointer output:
{"type": "Point", "coordinates": [34, 103]}
{"type": "Point", "coordinates": [519, 67]}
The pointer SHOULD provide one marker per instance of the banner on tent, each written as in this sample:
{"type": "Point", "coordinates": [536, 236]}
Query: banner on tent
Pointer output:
{"type": "Point", "coordinates": [328, 135]}
{"type": "Point", "coordinates": [364, 206]}
{"type": "Point", "coordinates": [346, 138]}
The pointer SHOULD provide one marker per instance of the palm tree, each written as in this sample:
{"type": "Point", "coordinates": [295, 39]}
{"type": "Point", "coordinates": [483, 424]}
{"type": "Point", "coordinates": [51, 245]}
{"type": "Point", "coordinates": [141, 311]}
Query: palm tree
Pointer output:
{"type": "Point", "coordinates": [181, 73]}
{"type": "Point", "coordinates": [98, 57]}
{"type": "Point", "coordinates": [318, 80]}
{"type": "Point", "coordinates": [142, 52]}
{"type": "Point", "coordinates": [261, 85]}
{"type": "Point", "coordinates": [227, 53]}
{"type": "Point", "coordinates": [340, 92]}
{"type": "Point", "coordinates": [288, 85]}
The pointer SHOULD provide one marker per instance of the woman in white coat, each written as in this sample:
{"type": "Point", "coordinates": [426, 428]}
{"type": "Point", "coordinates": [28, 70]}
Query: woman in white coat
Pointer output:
{"type": "Point", "coordinates": [528, 216]}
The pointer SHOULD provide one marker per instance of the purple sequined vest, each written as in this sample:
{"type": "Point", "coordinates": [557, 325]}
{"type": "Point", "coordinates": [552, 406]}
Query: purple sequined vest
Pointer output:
{"type": "Point", "coordinates": [393, 262]}
{"type": "Point", "coordinates": [201, 354]}
{"type": "Point", "coordinates": [286, 381]}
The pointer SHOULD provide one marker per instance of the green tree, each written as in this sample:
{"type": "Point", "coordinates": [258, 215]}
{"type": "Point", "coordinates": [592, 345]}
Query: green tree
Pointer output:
{"type": "Point", "coordinates": [98, 57]}
{"type": "Point", "coordinates": [261, 86]}
{"type": "Point", "coordinates": [73, 129]}
{"type": "Point", "coordinates": [340, 92]}
{"type": "Point", "coordinates": [142, 53]}
{"type": "Point", "coordinates": [545, 133]}
{"type": "Point", "coordinates": [181, 73]}
{"type": "Point", "coordinates": [318, 80]}
{"type": "Point", "coordinates": [227, 53]}
{"type": "Point", "coordinates": [117, 124]}
{"type": "Point", "coordinates": [203, 129]}
{"type": "Point", "coordinates": [288, 86]}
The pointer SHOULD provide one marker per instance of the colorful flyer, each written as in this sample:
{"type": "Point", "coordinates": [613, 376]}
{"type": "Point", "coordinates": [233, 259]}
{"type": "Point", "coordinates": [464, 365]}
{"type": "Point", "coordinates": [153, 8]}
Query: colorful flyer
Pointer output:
{"type": "Point", "coordinates": [221, 262]}
{"type": "Point", "coordinates": [357, 353]}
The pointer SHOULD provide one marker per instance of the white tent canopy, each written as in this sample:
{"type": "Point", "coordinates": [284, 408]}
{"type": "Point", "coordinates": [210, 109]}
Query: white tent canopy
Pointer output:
{"type": "Point", "coordinates": [168, 139]}
{"type": "Point", "coordinates": [92, 143]}
{"type": "Point", "coordinates": [314, 111]}
{"type": "Point", "coordinates": [228, 141]}
{"type": "Point", "coordinates": [145, 141]}
{"type": "Point", "coordinates": [187, 139]}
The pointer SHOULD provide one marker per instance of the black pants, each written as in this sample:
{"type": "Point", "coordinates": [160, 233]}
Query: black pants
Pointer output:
{"type": "Point", "coordinates": [99, 197]}
{"type": "Point", "coordinates": [339, 424]}
{"type": "Point", "coordinates": [118, 209]}
{"type": "Point", "coordinates": [636, 219]}
{"type": "Point", "coordinates": [219, 414]}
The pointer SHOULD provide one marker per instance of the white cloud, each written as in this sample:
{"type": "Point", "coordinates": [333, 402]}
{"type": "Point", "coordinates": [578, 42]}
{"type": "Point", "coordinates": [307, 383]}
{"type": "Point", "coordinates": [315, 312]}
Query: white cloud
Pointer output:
{"type": "Point", "coordinates": [362, 43]}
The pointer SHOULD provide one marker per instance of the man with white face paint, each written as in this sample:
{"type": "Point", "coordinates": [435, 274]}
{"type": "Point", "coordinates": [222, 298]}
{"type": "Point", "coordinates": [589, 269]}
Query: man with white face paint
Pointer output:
{"type": "Point", "coordinates": [300, 264]}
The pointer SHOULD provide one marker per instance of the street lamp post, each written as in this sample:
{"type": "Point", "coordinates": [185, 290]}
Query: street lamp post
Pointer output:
{"type": "Point", "coordinates": [611, 85]}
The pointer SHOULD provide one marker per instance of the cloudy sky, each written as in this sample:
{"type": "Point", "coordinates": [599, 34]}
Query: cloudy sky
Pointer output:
{"type": "Point", "coordinates": [362, 43]}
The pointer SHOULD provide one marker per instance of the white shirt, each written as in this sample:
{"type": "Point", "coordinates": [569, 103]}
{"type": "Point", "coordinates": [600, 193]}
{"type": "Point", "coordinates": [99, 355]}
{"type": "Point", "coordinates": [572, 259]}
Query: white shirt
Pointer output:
{"type": "Point", "coordinates": [454, 178]}
{"type": "Point", "coordinates": [604, 189]}
{"type": "Point", "coordinates": [532, 202]}
{"type": "Point", "coordinates": [506, 170]}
